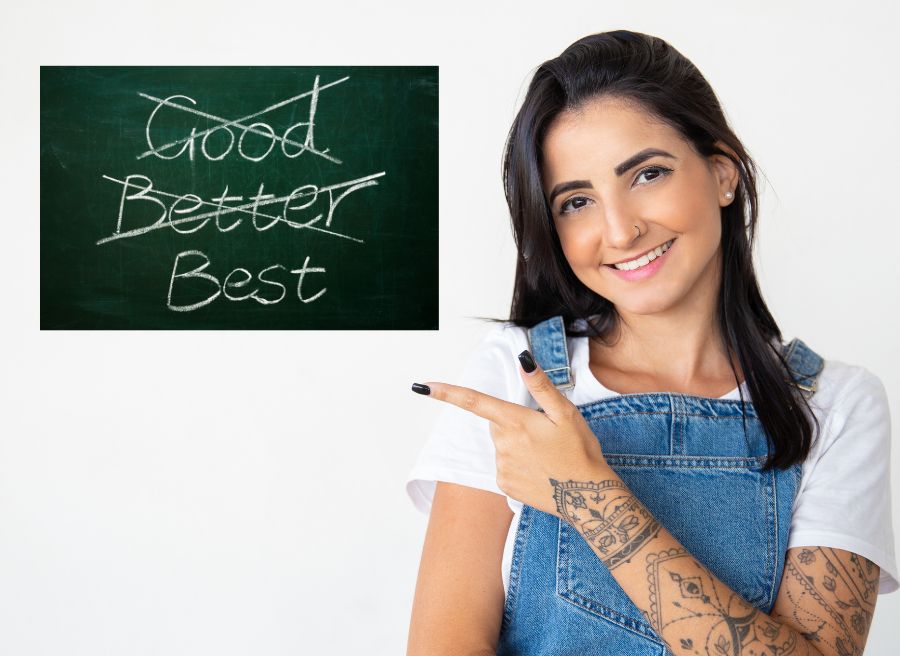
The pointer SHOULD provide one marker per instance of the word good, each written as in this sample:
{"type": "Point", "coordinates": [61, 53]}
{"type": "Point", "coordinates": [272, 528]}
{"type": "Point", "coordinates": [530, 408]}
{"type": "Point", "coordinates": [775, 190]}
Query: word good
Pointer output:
{"type": "Point", "coordinates": [242, 125]}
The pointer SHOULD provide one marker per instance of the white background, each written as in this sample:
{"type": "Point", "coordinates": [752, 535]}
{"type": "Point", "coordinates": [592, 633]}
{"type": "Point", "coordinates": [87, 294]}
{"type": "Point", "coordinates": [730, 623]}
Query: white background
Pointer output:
{"type": "Point", "coordinates": [242, 492]}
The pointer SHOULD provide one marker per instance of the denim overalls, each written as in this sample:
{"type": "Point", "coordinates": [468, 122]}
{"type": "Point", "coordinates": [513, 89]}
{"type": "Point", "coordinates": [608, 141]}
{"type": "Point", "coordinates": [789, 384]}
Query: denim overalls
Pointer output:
{"type": "Point", "coordinates": [689, 461]}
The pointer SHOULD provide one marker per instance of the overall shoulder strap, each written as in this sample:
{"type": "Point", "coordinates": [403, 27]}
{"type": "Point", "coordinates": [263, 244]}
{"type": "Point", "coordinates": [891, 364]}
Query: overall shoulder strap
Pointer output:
{"type": "Point", "coordinates": [547, 343]}
{"type": "Point", "coordinates": [804, 365]}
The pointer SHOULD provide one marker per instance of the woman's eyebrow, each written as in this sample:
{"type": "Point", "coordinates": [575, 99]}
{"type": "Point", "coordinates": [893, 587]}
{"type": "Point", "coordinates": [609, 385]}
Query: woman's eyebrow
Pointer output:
{"type": "Point", "coordinates": [637, 158]}
{"type": "Point", "coordinates": [620, 170]}
{"type": "Point", "coordinates": [563, 187]}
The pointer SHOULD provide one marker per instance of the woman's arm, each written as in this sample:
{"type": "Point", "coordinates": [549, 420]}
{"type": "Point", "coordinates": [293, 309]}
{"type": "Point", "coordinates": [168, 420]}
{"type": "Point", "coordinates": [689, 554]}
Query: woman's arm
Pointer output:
{"type": "Point", "coordinates": [458, 604]}
{"type": "Point", "coordinates": [691, 609]}
{"type": "Point", "coordinates": [829, 595]}
{"type": "Point", "coordinates": [823, 608]}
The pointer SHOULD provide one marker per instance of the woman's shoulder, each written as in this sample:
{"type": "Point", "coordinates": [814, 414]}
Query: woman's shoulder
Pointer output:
{"type": "Point", "coordinates": [841, 376]}
{"type": "Point", "coordinates": [841, 384]}
{"type": "Point", "coordinates": [852, 405]}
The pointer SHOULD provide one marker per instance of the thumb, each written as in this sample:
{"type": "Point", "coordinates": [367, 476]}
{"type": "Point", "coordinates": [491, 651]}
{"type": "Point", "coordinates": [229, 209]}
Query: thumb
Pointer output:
{"type": "Point", "coordinates": [554, 404]}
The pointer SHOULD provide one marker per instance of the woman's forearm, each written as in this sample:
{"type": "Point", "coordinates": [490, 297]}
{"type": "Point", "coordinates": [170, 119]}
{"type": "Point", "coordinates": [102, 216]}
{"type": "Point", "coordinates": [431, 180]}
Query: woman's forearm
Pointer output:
{"type": "Point", "coordinates": [690, 608]}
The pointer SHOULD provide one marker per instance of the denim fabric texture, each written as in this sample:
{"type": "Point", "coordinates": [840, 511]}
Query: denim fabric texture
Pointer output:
{"type": "Point", "coordinates": [690, 460]}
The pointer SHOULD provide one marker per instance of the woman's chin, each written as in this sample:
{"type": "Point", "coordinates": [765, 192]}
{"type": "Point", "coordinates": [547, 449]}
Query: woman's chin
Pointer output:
{"type": "Point", "coordinates": [641, 302]}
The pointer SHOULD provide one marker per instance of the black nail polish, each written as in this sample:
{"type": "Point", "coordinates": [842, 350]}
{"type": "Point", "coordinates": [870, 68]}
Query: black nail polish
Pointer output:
{"type": "Point", "coordinates": [419, 388]}
{"type": "Point", "coordinates": [527, 361]}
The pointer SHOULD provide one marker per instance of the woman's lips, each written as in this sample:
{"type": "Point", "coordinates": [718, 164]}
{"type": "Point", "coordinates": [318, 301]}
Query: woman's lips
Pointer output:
{"type": "Point", "coordinates": [645, 271]}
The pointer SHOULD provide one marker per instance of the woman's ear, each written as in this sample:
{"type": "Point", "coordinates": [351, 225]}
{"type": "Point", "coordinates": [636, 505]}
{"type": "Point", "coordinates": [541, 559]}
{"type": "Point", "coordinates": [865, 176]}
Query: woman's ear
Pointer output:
{"type": "Point", "coordinates": [726, 172]}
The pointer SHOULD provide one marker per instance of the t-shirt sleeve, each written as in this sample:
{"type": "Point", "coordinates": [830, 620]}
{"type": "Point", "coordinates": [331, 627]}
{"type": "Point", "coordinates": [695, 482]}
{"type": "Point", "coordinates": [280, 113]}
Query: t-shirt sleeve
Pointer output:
{"type": "Point", "coordinates": [460, 448]}
{"type": "Point", "coordinates": [845, 496]}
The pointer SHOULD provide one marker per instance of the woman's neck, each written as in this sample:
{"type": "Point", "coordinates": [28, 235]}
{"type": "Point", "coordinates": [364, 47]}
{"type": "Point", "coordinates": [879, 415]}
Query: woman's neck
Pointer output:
{"type": "Point", "coordinates": [659, 353]}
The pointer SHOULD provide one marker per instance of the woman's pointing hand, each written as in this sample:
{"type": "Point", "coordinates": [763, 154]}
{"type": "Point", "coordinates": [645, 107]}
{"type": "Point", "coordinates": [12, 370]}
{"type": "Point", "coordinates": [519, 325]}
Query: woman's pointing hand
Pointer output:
{"type": "Point", "coordinates": [533, 448]}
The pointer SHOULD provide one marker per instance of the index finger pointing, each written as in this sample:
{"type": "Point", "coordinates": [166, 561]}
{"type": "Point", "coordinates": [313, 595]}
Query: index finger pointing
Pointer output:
{"type": "Point", "coordinates": [484, 405]}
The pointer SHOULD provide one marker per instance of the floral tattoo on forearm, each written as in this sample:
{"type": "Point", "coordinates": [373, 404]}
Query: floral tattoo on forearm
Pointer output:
{"type": "Point", "coordinates": [830, 596]}
{"type": "Point", "coordinates": [687, 608]}
{"type": "Point", "coordinates": [608, 515]}
{"type": "Point", "coordinates": [825, 605]}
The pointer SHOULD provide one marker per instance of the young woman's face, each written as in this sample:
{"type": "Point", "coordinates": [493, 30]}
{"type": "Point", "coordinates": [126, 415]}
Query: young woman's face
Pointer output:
{"type": "Point", "coordinates": [608, 168]}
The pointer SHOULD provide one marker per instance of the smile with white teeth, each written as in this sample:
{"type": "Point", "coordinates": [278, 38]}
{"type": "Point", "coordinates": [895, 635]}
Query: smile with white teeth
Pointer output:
{"type": "Point", "coordinates": [644, 259]}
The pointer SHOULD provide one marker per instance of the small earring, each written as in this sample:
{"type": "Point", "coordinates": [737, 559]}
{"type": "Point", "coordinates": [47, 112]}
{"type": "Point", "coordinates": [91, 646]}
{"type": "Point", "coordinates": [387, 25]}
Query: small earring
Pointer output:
{"type": "Point", "coordinates": [729, 195]}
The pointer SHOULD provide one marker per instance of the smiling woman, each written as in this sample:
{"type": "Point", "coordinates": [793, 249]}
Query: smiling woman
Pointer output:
{"type": "Point", "coordinates": [635, 462]}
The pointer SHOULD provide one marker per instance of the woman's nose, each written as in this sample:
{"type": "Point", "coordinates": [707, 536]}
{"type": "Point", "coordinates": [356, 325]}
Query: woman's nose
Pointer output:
{"type": "Point", "coordinates": [619, 230]}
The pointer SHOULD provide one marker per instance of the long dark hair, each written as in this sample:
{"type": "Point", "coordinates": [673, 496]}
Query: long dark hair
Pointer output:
{"type": "Point", "coordinates": [648, 71]}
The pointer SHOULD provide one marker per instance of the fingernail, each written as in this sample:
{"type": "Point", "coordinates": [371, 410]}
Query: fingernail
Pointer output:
{"type": "Point", "coordinates": [419, 388]}
{"type": "Point", "coordinates": [527, 361]}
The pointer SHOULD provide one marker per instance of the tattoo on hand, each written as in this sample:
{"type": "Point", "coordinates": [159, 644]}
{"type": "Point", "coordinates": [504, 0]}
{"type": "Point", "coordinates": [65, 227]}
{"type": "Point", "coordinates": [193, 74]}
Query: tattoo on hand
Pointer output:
{"type": "Point", "coordinates": [608, 515]}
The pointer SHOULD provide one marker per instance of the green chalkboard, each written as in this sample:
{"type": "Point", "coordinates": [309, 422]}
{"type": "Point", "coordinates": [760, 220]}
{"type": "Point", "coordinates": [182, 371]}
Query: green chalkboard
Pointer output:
{"type": "Point", "coordinates": [239, 197]}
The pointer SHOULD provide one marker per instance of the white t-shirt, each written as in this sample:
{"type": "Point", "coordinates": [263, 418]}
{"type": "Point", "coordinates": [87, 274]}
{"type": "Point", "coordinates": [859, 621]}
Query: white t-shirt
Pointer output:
{"type": "Point", "coordinates": [848, 464]}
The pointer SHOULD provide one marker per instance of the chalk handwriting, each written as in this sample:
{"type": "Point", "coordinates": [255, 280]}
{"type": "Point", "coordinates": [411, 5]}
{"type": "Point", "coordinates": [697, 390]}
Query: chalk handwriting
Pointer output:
{"type": "Point", "coordinates": [144, 208]}
{"type": "Point", "coordinates": [226, 287]}
{"type": "Point", "coordinates": [140, 188]}
{"type": "Point", "coordinates": [188, 144]}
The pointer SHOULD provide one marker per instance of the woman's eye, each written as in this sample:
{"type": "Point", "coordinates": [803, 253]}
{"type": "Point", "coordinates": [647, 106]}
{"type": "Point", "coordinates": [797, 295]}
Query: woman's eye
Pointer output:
{"type": "Point", "coordinates": [650, 174]}
{"type": "Point", "coordinates": [573, 204]}
{"type": "Point", "coordinates": [655, 172]}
